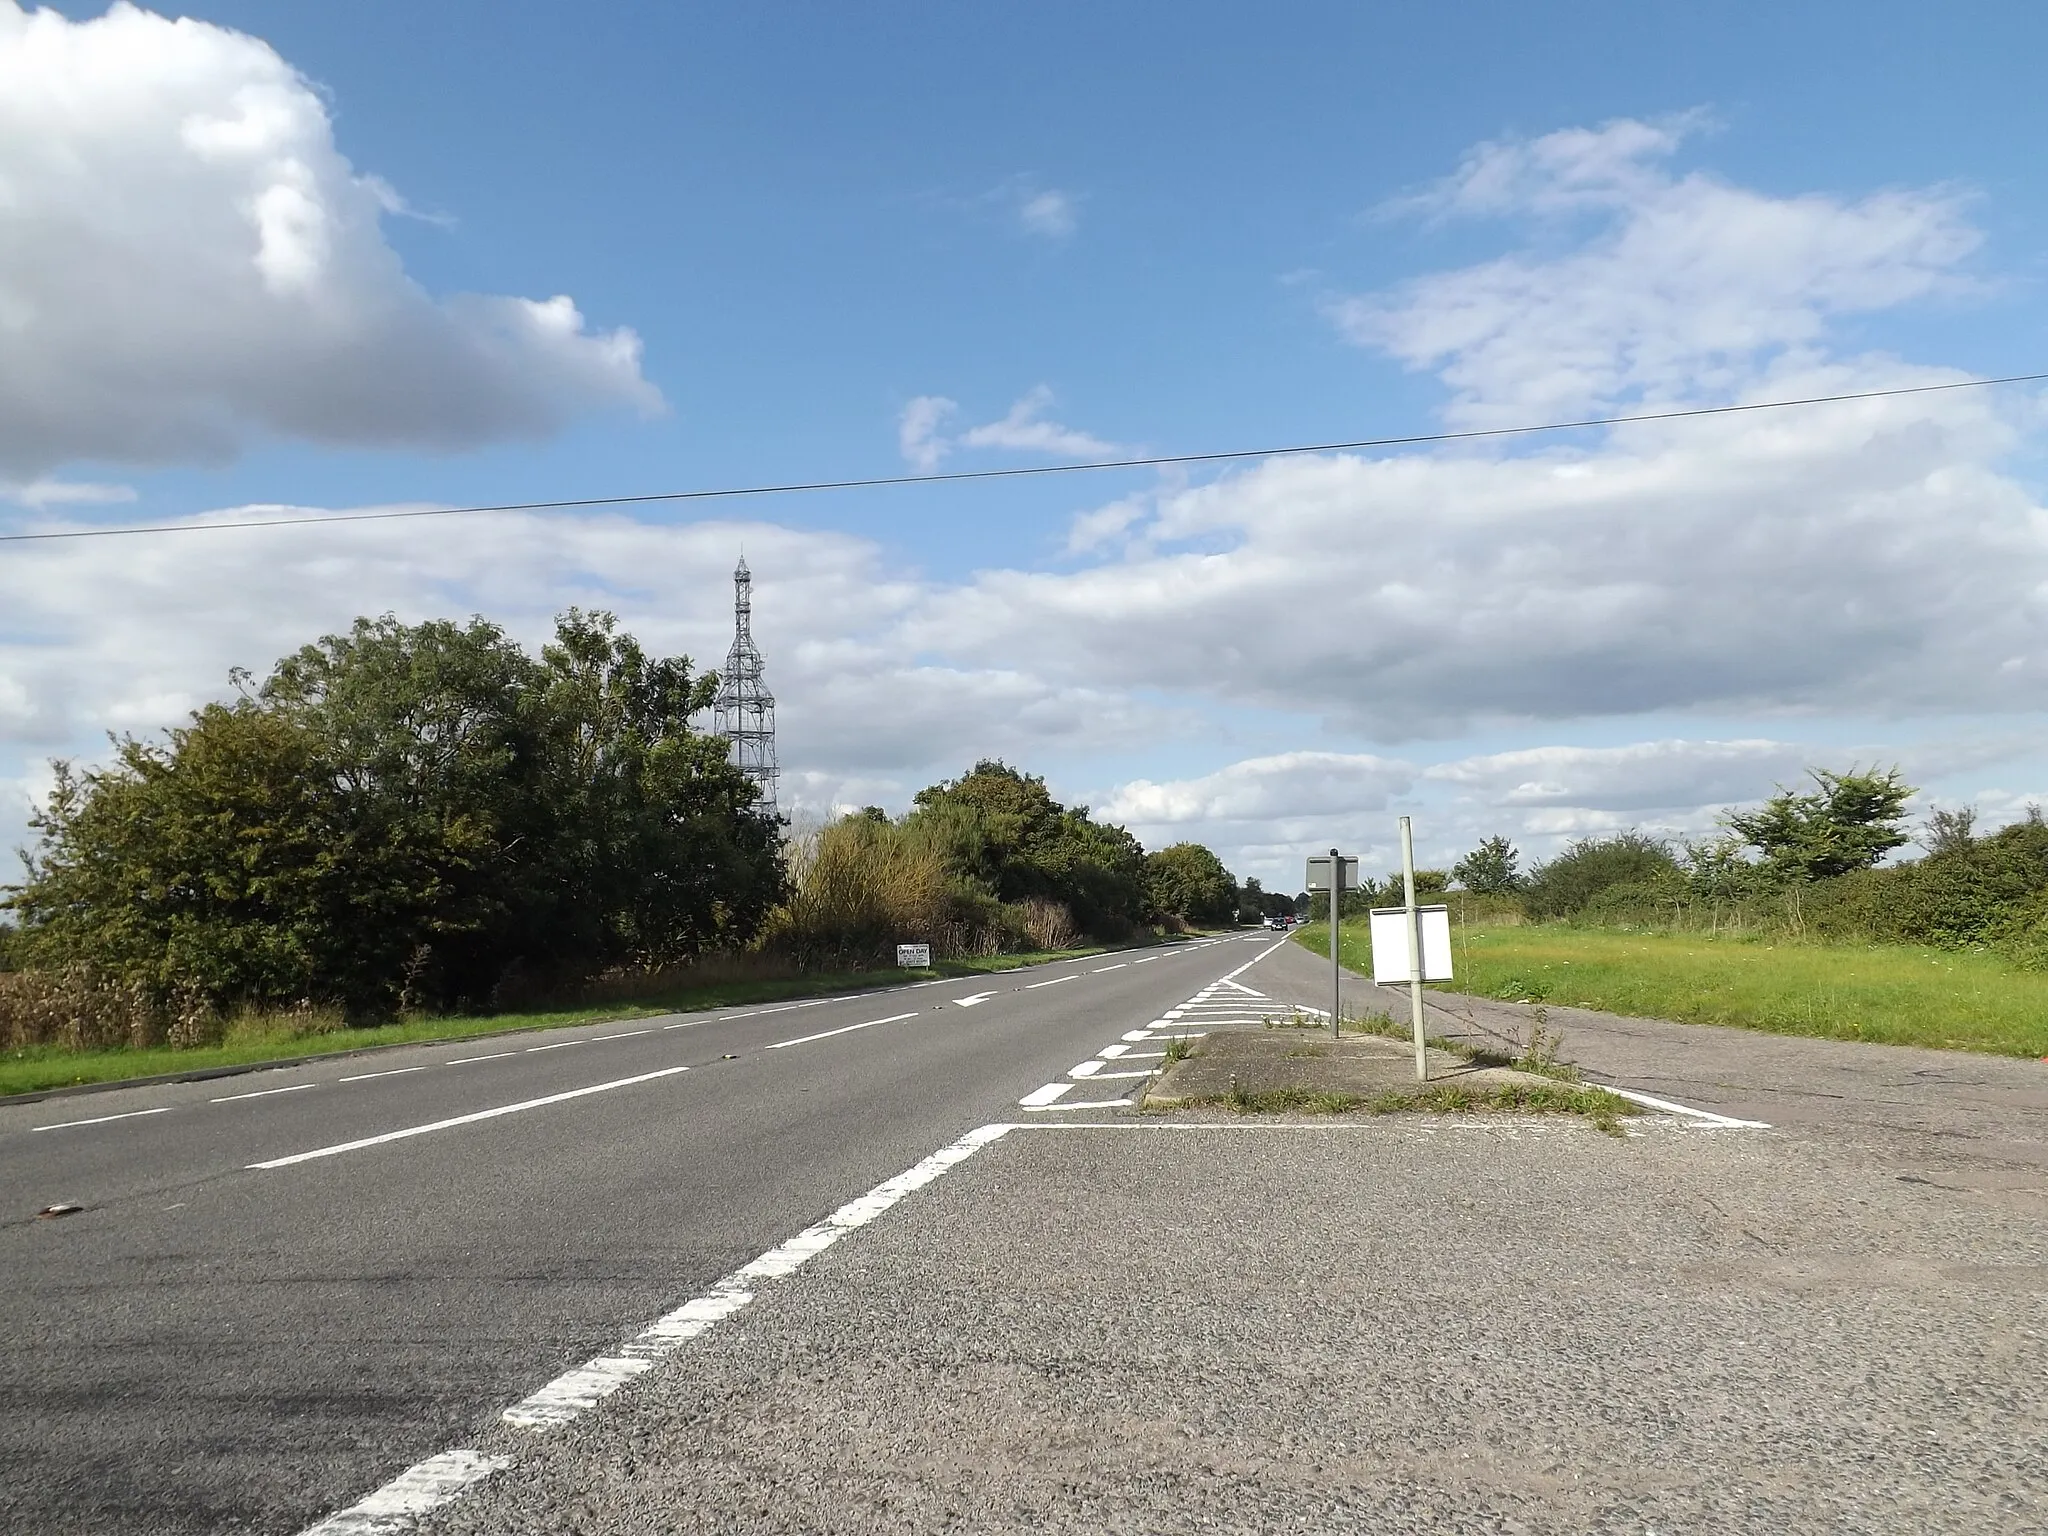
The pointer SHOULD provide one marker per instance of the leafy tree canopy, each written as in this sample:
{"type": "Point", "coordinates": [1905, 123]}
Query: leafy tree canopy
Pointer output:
{"type": "Point", "coordinates": [1491, 869]}
{"type": "Point", "coordinates": [406, 814]}
{"type": "Point", "coordinates": [1187, 881]}
{"type": "Point", "coordinates": [1005, 829]}
{"type": "Point", "coordinates": [1850, 821]}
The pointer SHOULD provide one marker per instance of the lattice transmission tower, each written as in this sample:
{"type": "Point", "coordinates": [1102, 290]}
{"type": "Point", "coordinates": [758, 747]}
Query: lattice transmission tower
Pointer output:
{"type": "Point", "coordinates": [744, 711]}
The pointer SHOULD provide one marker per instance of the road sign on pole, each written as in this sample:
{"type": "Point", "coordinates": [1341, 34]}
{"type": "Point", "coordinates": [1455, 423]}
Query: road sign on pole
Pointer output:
{"type": "Point", "coordinates": [1333, 875]}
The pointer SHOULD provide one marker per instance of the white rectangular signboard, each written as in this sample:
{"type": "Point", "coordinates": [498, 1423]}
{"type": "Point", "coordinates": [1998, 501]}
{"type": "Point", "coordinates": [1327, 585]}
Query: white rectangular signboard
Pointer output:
{"type": "Point", "coordinates": [916, 957]}
{"type": "Point", "coordinates": [1390, 945]}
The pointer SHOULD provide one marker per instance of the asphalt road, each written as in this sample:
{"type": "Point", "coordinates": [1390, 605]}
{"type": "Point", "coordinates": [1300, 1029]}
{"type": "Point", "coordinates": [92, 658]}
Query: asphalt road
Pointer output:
{"type": "Point", "coordinates": [216, 1345]}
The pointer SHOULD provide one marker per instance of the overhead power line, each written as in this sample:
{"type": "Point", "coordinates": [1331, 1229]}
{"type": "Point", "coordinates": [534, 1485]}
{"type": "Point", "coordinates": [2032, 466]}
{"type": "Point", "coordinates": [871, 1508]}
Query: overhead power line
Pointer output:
{"type": "Point", "coordinates": [955, 477]}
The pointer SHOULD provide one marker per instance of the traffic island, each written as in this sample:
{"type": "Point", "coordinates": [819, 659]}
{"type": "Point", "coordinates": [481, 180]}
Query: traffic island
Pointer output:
{"type": "Point", "coordinates": [1289, 1071]}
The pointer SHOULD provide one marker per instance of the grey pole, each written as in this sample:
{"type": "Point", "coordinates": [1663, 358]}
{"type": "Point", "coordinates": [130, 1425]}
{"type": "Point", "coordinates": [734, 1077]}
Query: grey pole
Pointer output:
{"type": "Point", "coordinates": [1336, 933]}
{"type": "Point", "coordinates": [1414, 947]}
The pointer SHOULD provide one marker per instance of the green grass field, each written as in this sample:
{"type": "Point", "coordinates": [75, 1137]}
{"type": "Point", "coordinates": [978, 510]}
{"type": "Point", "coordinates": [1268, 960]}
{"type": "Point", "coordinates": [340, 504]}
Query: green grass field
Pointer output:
{"type": "Point", "coordinates": [33, 1069]}
{"type": "Point", "coordinates": [1891, 994]}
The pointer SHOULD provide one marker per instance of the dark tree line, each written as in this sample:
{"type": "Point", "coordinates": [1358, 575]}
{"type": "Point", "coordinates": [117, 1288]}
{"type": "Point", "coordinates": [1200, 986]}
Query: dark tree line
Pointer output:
{"type": "Point", "coordinates": [407, 815]}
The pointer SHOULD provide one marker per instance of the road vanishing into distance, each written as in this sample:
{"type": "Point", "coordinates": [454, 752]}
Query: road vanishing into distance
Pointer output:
{"type": "Point", "coordinates": [289, 1285]}
{"type": "Point", "coordinates": [703, 1272]}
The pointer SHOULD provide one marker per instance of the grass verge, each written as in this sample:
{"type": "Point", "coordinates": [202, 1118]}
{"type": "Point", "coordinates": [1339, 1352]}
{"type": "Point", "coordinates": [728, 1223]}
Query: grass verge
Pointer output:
{"type": "Point", "coordinates": [39, 1068]}
{"type": "Point", "coordinates": [1602, 1108]}
{"type": "Point", "coordinates": [1891, 994]}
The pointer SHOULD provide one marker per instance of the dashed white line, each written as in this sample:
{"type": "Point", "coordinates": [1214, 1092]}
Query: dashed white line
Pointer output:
{"type": "Point", "coordinates": [262, 1093]}
{"type": "Point", "coordinates": [894, 1018]}
{"type": "Point", "coordinates": [1033, 986]}
{"type": "Point", "coordinates": [470, 1119]}
{"type": "Point", "coordinates": [364, 1077]}
{"type": "Point", "coordinates": [557, 1046]}
{"type": "Point", "coordinates": [1117, 967]}
{"type": "Point", "coordinates": [65, 1125]}
{"type": "Point", "coordinates": [1038, 1098]}
{"type": "Point", "coordinates": [463, 1061]}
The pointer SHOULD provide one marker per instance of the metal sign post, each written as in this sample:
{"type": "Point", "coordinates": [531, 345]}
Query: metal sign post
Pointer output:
{"type": "Point", "coordinates": [1330, 875]}
{"type": "Point", "coordinates": [1336, 944]}
{"type": "Point", "coordinates": [1414, 947]}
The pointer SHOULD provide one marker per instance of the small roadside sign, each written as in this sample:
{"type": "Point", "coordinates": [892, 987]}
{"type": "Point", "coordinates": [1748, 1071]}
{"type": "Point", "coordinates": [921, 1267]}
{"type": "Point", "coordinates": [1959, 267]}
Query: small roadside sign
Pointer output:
{"type": "Point", "coordinates": [1393, 962]}
{"type": "Point", "coordinates": [914, 957]}
{"type": "Point", "coordinates": [1319, 873]}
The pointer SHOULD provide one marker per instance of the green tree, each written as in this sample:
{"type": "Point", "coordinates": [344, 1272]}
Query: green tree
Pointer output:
{"type": "Point", "coordinates": [1599, 867]}
{"type": "Point", "coordinates": [1187, 881]}
{"type": "Point", "coordinates": [1850, 821]}
{"type": "Point", "coordinates": [1004, 829]}
{"type": "Point", "coordinates": [409, 814]}
{"type": "Point", "coordinates": [1490, 869]}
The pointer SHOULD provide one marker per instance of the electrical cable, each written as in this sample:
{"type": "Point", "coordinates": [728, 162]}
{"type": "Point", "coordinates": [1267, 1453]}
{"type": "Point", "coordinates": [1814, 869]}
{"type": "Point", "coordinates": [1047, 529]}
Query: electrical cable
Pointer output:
{"type": "Point", "coordinates": [955, 477]}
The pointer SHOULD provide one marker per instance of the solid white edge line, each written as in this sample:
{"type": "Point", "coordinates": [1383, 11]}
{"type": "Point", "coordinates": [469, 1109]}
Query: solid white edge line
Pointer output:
{"type": "Point", "coordinates": [894, 1018]}
{"type": "Point", "coordinates": [416, 1491]}
{"type": "Point", "coordinates": [263, 1093]}
{"type": "Point", "coordinates": [470, 1119]}
{"type": "Point", "coordinates": [65, 1125]}
{"type": "Point", "coordinates": [1682, 1109]}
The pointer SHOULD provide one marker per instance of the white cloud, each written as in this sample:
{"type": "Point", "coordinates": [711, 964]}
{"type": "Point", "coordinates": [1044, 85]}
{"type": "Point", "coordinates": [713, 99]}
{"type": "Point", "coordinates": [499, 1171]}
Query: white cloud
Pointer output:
{"type": "Point", "coordinates": [918, 434]}
{"type": "Point", "coordinates": [1642, 776]}
{"type": "Point", "coordinates": [1051, 213]}
{"type": "Point", "coordinates": [60, 493]}
{"type": "Point", "coordinates": [921, 437]}
{"type": "Point", "coordinates": [1686, 285]}
{"type": "Point", "coordinates": [187, 262]}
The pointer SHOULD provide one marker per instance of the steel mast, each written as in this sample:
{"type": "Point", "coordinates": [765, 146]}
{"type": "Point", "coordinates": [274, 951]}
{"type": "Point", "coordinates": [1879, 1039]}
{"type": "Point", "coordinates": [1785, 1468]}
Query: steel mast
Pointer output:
{"type": "Point", "coordinates": [744, 711]}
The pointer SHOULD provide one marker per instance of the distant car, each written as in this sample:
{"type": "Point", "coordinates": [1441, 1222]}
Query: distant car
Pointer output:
{"type": "Point", "coordinates": [1277, 922]}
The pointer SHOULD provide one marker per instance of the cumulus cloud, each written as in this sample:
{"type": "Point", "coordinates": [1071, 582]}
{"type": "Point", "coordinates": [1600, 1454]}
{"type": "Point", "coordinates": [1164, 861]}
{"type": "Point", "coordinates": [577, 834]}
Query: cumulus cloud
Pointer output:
{"type": "Point", "coordinates": [924, 442]}
{"type": "Point", "coordinates": [1685, 285]}
{"type": "Point", "coordinates": [188, 262]}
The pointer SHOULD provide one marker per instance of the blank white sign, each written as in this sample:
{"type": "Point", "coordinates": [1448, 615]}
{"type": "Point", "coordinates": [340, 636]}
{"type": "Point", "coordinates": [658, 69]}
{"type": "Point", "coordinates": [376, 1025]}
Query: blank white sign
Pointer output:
{"type": "Point", "coordinates": [1390, 944]}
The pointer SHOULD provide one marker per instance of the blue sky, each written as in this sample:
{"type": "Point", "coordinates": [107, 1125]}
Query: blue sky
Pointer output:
{"type": "Point", "coordinates": [1251, 225]}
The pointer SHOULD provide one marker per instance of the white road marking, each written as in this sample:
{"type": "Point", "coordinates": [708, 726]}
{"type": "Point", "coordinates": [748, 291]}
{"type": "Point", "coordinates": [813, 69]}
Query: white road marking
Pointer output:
{"type": "Point", "coordinates": [1033, 986]}
{"type": "Point", "coordinates": [972, 1002]}
{"type": "Point", "coordinates": [1103, 1077]}
{"type": "Point", "coordinates": [1136, 1035]}
{"type": "Point", "coordinates": [463, 1061]}
{"type": "Point", "coordinates": [1086, 1068]}
{"type": "Point", "coordinates": [574, 1391]}
{"type": "Point", "coordinates": [1039, 1097]}
{"type": "Point", "coordinates": [65, 1125]}
{"type": "Point", "coordinates": [262, 1093]}
{"type": "Point", "coordinates": [398, 1505]}
{"type": "Point", "coordinates": [626, 1034]}
{"type": "Point", "coordinates": [1146, 961]}
{"type": "Point", "coordinates": [1255, 959]}
{"type": "Point", "coordinates": [1683, 1109]}
{"type": "Point", "coordinates": [894, 1018]}
{"type": "Point", "coordinates": [558, 1045]}
{"type": "Point", "coordinates": [470, 1119]}
{"type": "Point", "coordinates": [1079, 1104]}
{"type": "Point", "coordinates": [1117, 967]}
{"type": "Point", "coordinates": [364, 1077]}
